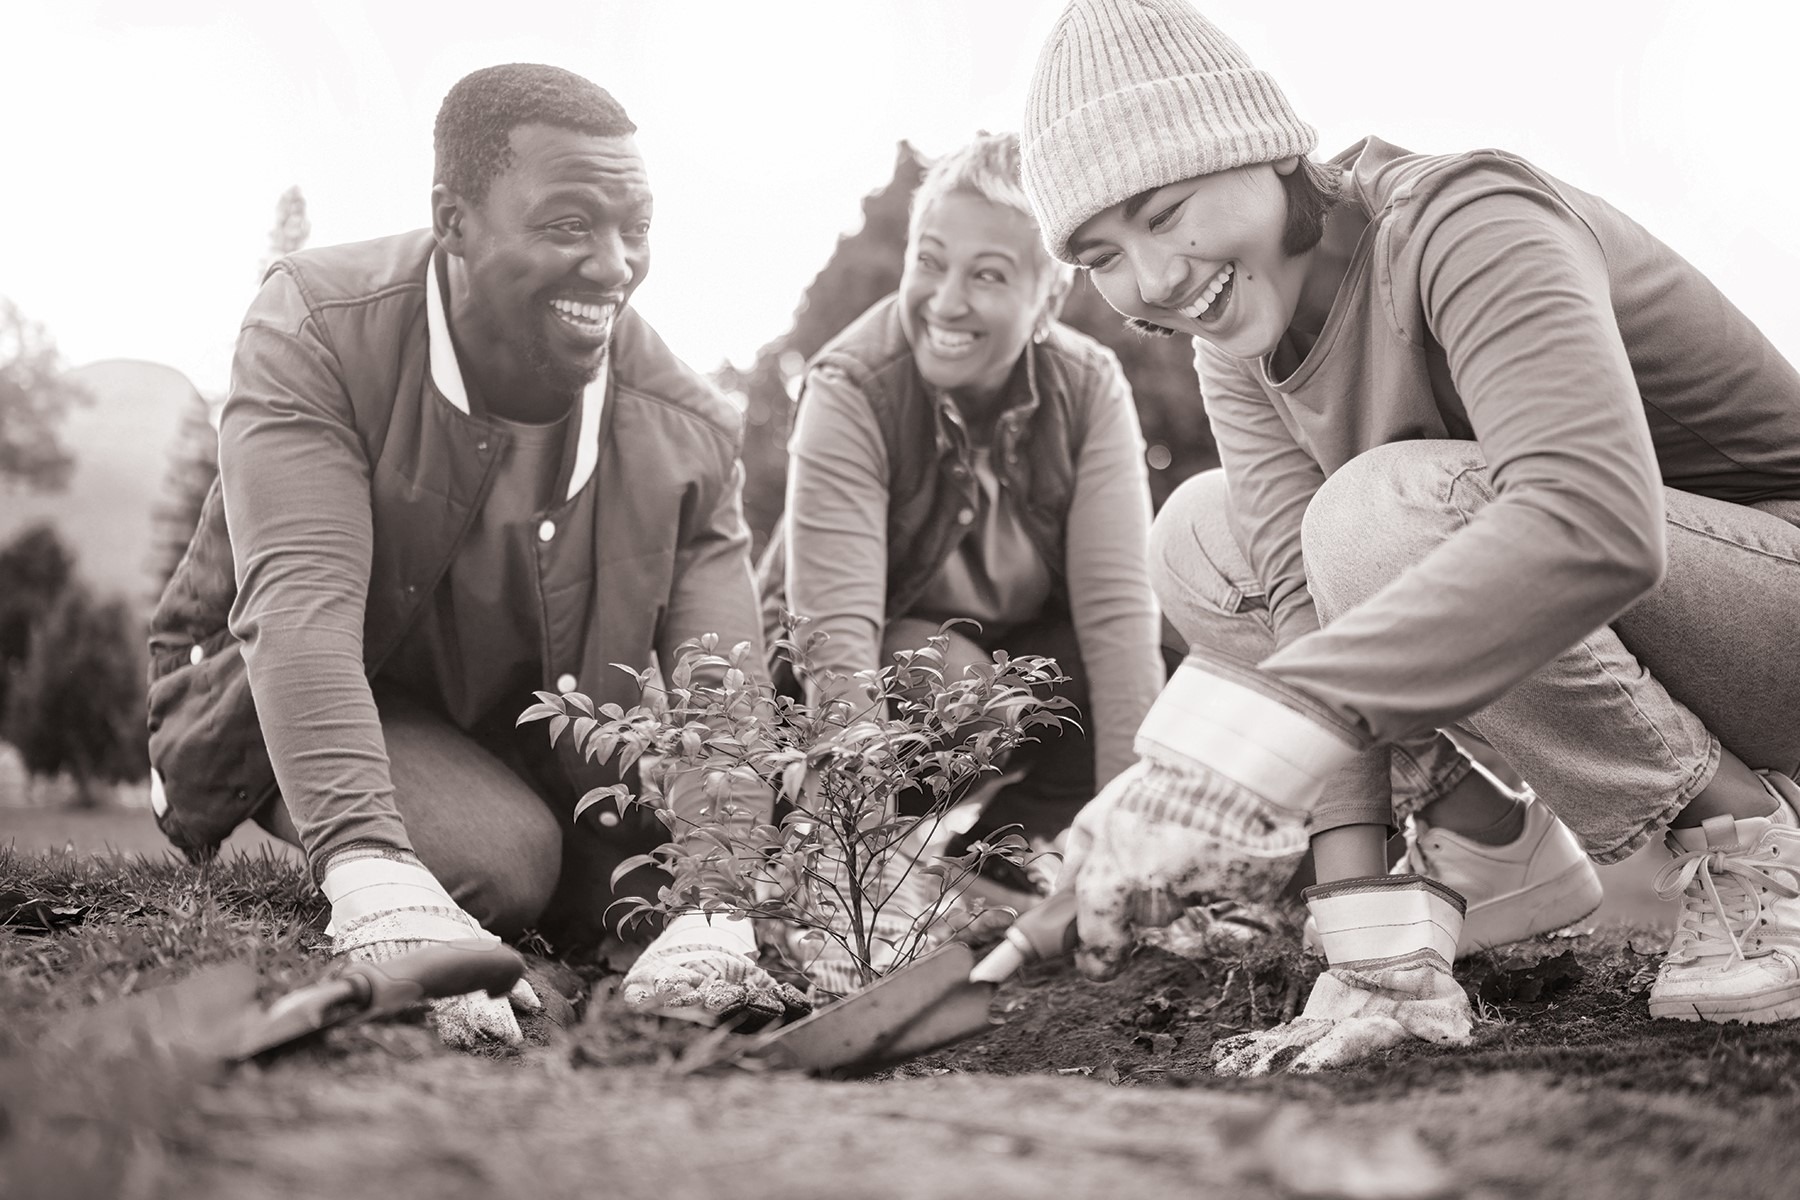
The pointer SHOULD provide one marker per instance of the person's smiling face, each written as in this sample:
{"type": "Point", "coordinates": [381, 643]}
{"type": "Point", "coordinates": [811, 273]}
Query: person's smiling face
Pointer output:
{"type": "Point", "coordinates": [1202, 257]}
{"type": "Point", "coordinates": [971, 292]}
{"type": "Point", "coordinates": [552, 254]}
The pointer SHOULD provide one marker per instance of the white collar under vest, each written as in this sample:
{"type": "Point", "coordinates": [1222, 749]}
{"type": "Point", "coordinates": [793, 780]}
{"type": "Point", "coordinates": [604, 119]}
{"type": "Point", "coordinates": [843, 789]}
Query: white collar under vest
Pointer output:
{"type": "Point", "coordinates": [446, 373]}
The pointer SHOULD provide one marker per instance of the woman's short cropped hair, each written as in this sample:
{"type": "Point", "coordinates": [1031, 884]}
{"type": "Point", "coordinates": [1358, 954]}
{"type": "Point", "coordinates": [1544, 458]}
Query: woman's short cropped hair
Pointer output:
{"type": "Point", "coordinates": [987, 167]}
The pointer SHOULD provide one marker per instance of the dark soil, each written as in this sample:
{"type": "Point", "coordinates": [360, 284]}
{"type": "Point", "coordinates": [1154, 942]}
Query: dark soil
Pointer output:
{"type": "Point", "coordinates": [1569, 1088]}
{"type": "Point", "coordinates": [1576, 1006]}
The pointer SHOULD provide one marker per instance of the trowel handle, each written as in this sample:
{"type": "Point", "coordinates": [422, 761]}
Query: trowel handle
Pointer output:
{"type": "Point", "coordinates": [447, 969]}
{"type": "Point", "coordinates": [1041, 932]}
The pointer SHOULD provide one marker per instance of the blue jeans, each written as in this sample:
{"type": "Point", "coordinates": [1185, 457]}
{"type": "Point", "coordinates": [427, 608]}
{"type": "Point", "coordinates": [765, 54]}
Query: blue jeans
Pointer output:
{"type": "Point", "coordinates": [1618, 733]}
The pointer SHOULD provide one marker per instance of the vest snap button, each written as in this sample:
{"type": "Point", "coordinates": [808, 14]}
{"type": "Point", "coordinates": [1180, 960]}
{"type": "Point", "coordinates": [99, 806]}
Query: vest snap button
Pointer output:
{"type": "Point", "coordinates": [965, 517]}
{"type": "Point", "coordinates": [546, 531]}
{"type": "Point", "coordinates": [565, 682]}
{"type": "Point", "coordinates": [196, 655]}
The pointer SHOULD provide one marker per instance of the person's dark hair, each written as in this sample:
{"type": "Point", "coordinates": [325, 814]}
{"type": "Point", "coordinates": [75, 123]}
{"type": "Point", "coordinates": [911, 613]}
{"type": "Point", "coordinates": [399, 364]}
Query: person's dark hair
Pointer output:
{"type": "Point", "coordinates": [1312, 191]}
{"type": "Point", "coordinates": [473, 135]}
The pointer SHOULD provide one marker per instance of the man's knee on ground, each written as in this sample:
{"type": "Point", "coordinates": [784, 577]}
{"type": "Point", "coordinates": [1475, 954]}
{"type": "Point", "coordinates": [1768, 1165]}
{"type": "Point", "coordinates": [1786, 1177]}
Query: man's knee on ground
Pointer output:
{"type": "Point", "coordinates": [508, 888]}
{"type": "Point", "coordinates": [1383, 511]}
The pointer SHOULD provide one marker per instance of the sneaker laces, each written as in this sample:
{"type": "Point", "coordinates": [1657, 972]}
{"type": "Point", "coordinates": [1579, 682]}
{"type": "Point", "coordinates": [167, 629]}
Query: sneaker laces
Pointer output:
{"type": "Point", "coordinates": [1707, 912]}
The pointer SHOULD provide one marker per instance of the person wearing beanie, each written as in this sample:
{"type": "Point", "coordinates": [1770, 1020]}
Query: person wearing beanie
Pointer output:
{"type": "Point", "coordinates": [455, 468]}
{"type": "Point", "coordinates": [1498, 467]}
{"type": "Point", "coordinates": [959, 454]}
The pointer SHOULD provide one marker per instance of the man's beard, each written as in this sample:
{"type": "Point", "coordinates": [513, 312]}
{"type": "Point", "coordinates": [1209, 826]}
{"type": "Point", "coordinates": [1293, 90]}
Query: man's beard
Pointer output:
{"type": "Point", "coordinates": [558, 378]}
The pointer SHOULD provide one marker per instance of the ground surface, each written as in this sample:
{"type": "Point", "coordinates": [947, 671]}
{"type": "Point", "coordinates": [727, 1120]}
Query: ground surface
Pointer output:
{"type": "Point", "coordinates": [1088, 1090]}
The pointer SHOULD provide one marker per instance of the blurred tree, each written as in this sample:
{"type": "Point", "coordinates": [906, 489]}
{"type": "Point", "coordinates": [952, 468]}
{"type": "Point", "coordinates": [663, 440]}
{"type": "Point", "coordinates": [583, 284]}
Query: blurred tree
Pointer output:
{"type": "Point", "coordinates": [864, 267]}
{"type": "Point", "coordinates": [35, 569]}
{"type": "Point", "coordinates": [193, 465]}
{"type": "Point", "coordinates": [34, 396]}
{"type": "Point", "coordinates": [77, 706]}
{"type": "Point", "coordinates": [291, 228]}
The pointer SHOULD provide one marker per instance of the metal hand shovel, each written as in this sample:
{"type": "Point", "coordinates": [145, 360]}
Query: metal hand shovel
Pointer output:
{"type": "Point", "coordinates": [214, 1015]}
{"type": "Point", "coordinates": [940, 999]}
{"type": "Point", "coordinates": [369, 991]}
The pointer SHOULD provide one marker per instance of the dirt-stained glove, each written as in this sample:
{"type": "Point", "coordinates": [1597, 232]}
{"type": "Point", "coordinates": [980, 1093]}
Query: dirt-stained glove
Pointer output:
{"type": "Point", "coordinates": [1230, 764]}
{"type": "Point", "coordinates": [703, 967]}
{"type": "Point", "coordinates": [384, 903]}
{"type": "Point", "coordinates": [1389, 941]}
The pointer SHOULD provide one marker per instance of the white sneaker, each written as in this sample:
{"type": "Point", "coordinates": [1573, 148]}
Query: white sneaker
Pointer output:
{"type": "Point", "coordinates": [1736, 952]}
{"type": "Point", "coordinates": [1538, 882]}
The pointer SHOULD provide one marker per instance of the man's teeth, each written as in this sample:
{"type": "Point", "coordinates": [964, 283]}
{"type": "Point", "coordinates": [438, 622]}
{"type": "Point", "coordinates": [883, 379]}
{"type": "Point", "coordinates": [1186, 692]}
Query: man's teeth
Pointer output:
{"type": "Point", "coordinates": [590, 314]}
{"type": "Point", "coordinates": [1213, 288]}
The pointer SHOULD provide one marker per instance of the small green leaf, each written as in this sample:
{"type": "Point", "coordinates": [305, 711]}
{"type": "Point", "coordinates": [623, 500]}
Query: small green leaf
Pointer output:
{"type": "Point", "coordinates": [617, 792]}
{"type": "Point", "coordinates": [537, 712]}
{"type": "Point", "coordinates": [631, 864]}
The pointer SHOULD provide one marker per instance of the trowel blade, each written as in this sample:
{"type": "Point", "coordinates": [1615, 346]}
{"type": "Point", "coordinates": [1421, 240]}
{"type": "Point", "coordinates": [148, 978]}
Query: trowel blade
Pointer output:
{"type": "Point", "coordinates": [859, 1029]}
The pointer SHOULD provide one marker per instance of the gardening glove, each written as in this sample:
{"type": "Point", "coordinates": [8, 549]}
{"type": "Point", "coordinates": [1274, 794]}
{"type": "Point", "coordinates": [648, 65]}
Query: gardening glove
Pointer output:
{"type": "Point", "coordinates": [1230, 764]}
{"type": "Point", "coordinates": [1389, 941]}
{"type": "Point", "coordinates": [384, 904]}
{"type": "Point", "coordinates": [703, 967]}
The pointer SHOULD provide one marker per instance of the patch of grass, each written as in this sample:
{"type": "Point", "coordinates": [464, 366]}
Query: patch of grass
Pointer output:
{"type": "Point", "coordinates": [85, 930]}
{"type": "Point", "coordinates": [85, 1115]}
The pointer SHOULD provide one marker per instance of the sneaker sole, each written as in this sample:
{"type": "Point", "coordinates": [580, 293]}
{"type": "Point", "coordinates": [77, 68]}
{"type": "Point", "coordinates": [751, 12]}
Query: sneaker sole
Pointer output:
{"type": "Point", "coordinates": [1779, 1004]}
{"type": "Point", "coordinates": [1544, 907]}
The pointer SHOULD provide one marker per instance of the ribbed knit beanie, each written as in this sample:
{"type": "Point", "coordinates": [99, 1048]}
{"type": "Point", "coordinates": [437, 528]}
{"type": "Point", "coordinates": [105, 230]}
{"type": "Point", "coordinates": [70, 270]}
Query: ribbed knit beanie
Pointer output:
{"type": "Point", "coordinates": [1130, 95]}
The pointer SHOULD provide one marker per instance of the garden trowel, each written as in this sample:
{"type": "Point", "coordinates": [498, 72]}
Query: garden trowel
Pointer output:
{"type": "Point", "coordinates": [369, 991]}
{"type": "Point", "coordinates": [940, 999]}
{"type": "Point", "coordinates": [214, 1014]}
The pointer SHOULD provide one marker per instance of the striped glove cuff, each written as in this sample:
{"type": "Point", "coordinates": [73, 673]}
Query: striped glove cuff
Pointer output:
{"type": "Point", "coordinates": [1385, 917]}
{"type": "Point", "coordinates": [1278, 747]}
{"type": "Point", "coordinates": [385, 903]}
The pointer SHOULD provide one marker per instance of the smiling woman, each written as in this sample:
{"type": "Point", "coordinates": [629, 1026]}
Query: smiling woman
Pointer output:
{"type": "Point", "coordinates": [1498, 465]}
{"type": "Point", "coordinates": [959, 454]}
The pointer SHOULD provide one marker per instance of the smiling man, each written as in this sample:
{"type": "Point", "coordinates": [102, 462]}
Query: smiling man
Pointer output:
{"type": "Point", "coordinates": [456, 467]}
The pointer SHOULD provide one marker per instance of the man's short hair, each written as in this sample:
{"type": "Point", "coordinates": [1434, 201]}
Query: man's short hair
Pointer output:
{"type": "Point", "coordinates": [473, 136]}
{"type": "Point", "coordinates": [987, 167]}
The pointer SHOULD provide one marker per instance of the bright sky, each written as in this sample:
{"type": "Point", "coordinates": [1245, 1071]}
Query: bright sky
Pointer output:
{"type": "Point", "coordinates": [147, 142]}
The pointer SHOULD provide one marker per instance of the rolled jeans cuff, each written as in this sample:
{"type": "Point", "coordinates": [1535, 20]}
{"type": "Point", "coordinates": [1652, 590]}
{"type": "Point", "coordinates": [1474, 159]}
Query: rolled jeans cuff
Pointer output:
{"type": "Point", "coordinates": [1360, 793]}
{"type": "Point", "coordinates": [1423, 770]}
{"type": "Point", "coordinates": [1388, 784]}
